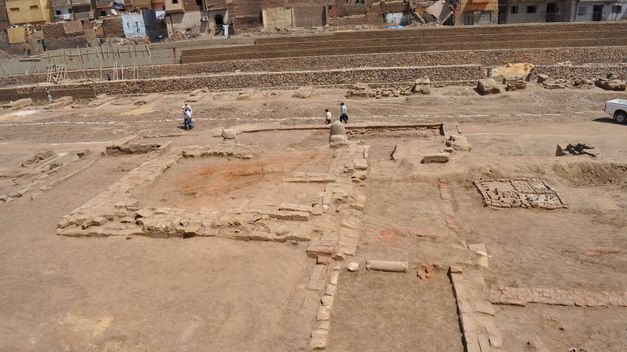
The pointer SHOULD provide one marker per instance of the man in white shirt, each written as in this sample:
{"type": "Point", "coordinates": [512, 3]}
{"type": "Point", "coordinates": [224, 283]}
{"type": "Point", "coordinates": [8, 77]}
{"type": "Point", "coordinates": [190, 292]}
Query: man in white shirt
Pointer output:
{"type": "Point", "coordinates": [343, 113]}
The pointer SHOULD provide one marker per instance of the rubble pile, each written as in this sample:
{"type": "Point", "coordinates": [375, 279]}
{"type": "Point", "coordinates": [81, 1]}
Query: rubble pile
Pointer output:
{"type": "Point", "coordinates": [363, 90]}
{"type": "Point", "coordinates": [608, 83]}
{"type": "Point", "coordinates": [576, 149]}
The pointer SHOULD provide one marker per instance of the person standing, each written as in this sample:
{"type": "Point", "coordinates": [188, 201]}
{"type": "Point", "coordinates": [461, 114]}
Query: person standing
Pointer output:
{"type": "Point", "coordinates": [187, 117]}
{"type": "Point", "coordinates": [327, 117]}
{"type": "Point", "coordinates": [343, 113]}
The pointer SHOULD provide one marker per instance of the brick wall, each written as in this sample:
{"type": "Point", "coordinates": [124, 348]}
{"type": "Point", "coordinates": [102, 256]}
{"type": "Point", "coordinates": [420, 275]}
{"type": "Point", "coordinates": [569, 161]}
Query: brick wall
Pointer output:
{"type": "Point", "coordinates": [548, 56]}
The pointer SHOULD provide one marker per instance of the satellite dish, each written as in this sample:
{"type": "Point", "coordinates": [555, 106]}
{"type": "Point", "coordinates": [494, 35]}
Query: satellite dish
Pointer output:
{"type": "Point", "coordinates": [113, 12]}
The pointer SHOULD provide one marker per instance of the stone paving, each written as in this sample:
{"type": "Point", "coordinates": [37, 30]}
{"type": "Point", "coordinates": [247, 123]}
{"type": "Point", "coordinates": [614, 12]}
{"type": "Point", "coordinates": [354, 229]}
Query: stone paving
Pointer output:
{"type": "Point", "coordinates": [519, 193]}
{"type": "Point", "coordinates": [520, 296]}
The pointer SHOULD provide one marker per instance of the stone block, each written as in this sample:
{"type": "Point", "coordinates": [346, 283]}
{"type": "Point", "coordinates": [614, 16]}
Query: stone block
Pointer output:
{"type": "Point", "coordinates": [318, 339]}
{"type": "Point", "coordinates": [352, 267]}
{"type": "Point", "coordinates": [228, 134]}
{"type": "Point", "coordinates": [320, 248]}
{"type": "Point", "coordinates": [324, 313]}
{"type": "Point", "coordinates": [330, 291]}
{"type": "Point", "coordinates": [436, 158]}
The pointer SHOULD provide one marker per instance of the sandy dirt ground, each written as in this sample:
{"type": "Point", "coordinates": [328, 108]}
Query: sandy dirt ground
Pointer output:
{"type": "Point", "coordinates": [215, 294]}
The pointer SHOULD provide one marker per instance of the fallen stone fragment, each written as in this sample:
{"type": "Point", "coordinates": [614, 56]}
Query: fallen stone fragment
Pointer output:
{"type": "Point", "coordinates": [459, 143]}
{"type": "Point", "coordinates": [228, 134]}
{"type": "Point", "coordinates": [352, 267]}
{"type": "Point", "coordinates": [488, 86]}
{"type": "Point", "coordinates": [318, 339]}
{"type": "Point", "coordinates": [384, 265]}
{"type": "Point", "coordinates": [435, 158]}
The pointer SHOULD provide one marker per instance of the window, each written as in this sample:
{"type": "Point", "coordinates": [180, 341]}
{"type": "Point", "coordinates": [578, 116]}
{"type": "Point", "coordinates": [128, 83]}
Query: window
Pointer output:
{"type": "Point", "coordinates": [34, 7]}
{"type": "Point", "coordinates": [175, 1]}
{"type": "Point", "coordinates": [532, 9]}
{"type": "Point", "coordinates": [617, 9]}
{"type": "Point", "coordinates": [486, 17]}
{"type": "Point", "coordinates": [514, 9]}
{"type": "Point", "coordinates": [199, 2]}
{"type": "Point", "coordinates": [582, 10]}
{"type": "Point", "coordinates": [103, 13]}
{"type": "Point", "coordinates": [14, 9]}
{"type": "Point", "coordinates": [468, 19]}
{"type": "Point", "coordinates": [57, 12]}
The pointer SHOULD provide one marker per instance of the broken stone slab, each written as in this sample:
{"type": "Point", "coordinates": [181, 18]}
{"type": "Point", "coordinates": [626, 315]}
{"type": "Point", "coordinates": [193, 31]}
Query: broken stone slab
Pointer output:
{"type": "Point", "coordinates": [228, 133]}
{"type": "Point", "coordinates": [488, 86]}
{"type": "Point", "coordinates": [303, 92]}
{"type": "Point", "coordinates": [324, 313]}
{"type": "Point", "coordinates": [320, 248]}
{"type": "Point", "coordinates": [436, 158]}
{"type": "Point", "coordinates": [18, 104]}
{"type": "Point", "coordinates": [295, 207]}
{"type": "Point", "coordinates": [360, 164]}
{"type": "Point", "coordinates": [613, 84]}
{"type": "Point", "coordinates": [385, 265]}
{"type": "Point", "coordinates": [327, 301]}
{"type": "Point", "coordinates": [318, 339]}
{"type": "Point", "coordinates": [290, 215]}
{"type": "Point", "coordinates": [352, 267]}
{"type": "Point", "coordinates": [459, 143]}
{"type": "Point", "coordinates": [324, 324]}
{"type": "Point", "coordinates": [331, 289]}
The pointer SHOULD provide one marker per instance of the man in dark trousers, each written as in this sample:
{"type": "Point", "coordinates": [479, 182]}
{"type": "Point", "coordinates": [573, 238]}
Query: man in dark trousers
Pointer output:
{"type": "Point", "coordinates": [343, 113]}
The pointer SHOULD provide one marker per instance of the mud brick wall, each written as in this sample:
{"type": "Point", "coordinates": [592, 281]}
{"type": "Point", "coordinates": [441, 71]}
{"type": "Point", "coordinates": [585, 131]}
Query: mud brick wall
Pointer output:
{"type": "Point", "coordinates": [73, 27]}
{"type": "Point", "coordinates": [587, 72]}
{"type": "Point", "coordinates": [220, 56]}
{"type": "Point", "coordinates": [12, 94]}
{"type": "Point", "coordinates": [546, 56]}
{"type": "Point", "coordinates": [54, 30]}
{"type": "Point", "coordinates": [280, 79]}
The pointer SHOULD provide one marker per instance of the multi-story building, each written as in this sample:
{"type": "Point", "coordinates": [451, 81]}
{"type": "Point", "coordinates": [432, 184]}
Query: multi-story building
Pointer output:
{"type": "Point", "coordinates": [530, 11]}
{"type": "Point", "coordinates": [4, 19]}
{"type": "Point", "coordinates": [598, 10]}
{"type": "Point", "coordinates": [474, 12]}
{"type": "Point", "coordinates": [28, 11]}
{"type": "Point", "coordinates": [67, 10]}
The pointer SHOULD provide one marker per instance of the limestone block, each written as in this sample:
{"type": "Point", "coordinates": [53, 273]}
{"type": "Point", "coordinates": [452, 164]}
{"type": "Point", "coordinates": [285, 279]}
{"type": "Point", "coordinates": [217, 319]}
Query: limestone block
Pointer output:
{"type": "Point", "coordinates": [330, 291]}
{"type": "Point", "coordinates": [228, 134]}
{"type": "Point", "coordinates": [320, 248]}
{"type": "Point", "coordinates": [435, 158]}
{"type": "Point", "coordinates": [352, 267]}
{"type": "Point", "coordinates": [318, 339]}
{"type": "Point", "coordinates": [324, 313]}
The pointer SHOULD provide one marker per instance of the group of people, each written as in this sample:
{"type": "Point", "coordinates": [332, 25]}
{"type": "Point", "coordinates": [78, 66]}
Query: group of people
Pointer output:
{"type": "Point", "coordinates": [343, 114]}
{"type": "Point", "coordinates": [188, 123]}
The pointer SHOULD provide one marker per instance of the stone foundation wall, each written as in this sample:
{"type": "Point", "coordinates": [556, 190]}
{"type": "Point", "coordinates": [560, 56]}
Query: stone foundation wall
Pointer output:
{"type": "Point", "coordinates": [282, 79]}
{"type": "Point", "coordinates": [480, 57]}
{"type": "Point", "coordinates": [585, 72]}
{"type": "Point", "coordinates": [251, 53]}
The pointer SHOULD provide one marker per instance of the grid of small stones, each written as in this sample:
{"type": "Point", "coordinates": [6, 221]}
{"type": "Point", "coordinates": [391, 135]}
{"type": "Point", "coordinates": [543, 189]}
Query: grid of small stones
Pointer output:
{"type": "Point", "coordinates": [521, 296]}
{"type": "Point", "coordinates": [523, 199]}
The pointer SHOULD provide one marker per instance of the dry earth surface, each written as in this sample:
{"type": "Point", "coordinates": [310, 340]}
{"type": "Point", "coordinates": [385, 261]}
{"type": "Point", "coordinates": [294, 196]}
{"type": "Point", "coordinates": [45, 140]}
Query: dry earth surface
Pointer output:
{"type": "Point", "coordinates": [133, 293]}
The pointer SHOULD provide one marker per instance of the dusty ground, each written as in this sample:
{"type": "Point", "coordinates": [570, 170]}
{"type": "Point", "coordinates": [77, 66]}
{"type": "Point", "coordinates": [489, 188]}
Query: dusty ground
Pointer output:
{"type": "Point", "coordinates": [210, 294]}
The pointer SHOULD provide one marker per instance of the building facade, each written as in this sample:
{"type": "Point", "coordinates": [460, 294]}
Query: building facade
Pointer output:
{"type": "Point", "coordinates": [70, 10]}
{"type": "Point", "coordinates": [28, 11]}
{"type": "Point", "coordinates": [599, 10]}
{"type": "Point", "coordinates": [475, 12]}
{"type": "Point", "coordinates": [534, 11]}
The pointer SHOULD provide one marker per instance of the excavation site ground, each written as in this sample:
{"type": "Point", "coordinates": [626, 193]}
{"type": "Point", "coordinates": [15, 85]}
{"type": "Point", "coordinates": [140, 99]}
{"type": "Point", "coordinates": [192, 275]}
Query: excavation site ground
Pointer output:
{"type": "Point", "coordinates": [430, 222]}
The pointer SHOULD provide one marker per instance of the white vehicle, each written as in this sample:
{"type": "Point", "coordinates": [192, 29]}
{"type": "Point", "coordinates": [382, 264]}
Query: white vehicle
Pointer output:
{"type": "Point", "coordinates": [617, 108]}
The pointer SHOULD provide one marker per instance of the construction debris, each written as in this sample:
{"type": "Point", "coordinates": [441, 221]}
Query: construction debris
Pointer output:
{"type": "Point", "coordinates": [576, 149]}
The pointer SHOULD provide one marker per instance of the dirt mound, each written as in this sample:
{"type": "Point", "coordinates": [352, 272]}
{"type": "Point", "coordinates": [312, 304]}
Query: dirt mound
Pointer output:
{"type": "Point", "coordinates": [592, 174]}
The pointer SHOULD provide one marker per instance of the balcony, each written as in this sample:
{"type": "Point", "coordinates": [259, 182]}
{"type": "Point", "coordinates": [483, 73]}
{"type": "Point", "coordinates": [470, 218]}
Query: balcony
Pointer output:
{"type": "Point", "coordinates": [81, 2]}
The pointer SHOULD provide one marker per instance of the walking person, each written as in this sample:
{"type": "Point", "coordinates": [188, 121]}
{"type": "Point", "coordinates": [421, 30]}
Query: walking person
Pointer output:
{"type": "Point", "coordinates": [327, 118]}
{"type": "Point", "coordinates": [187, 117]}
{"type": "Point", "coordinates": [343, 113]}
